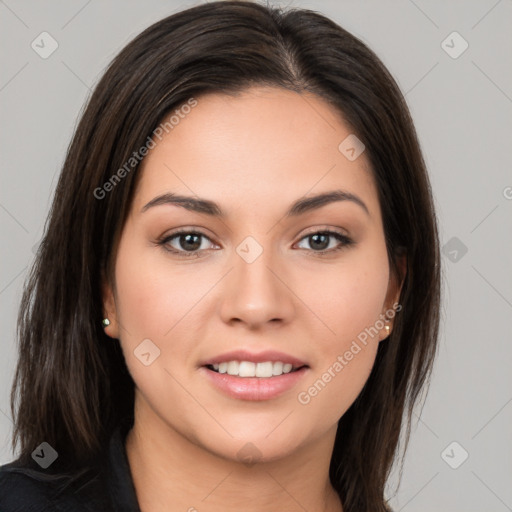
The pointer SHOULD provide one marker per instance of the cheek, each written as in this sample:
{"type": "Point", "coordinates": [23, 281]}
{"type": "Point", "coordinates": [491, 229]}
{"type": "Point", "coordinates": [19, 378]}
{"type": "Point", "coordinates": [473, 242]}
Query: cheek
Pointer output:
{"type": "Point", "coordinates": [148, 308]}
{"type": "Point", "coordinates": [349, 295]}
{"type": "Point", "coordinates": [152, 294]}
{"type": "Point", "coordinates": [349, 301]}
{"type": "Point", "coordinates": [156, 301]}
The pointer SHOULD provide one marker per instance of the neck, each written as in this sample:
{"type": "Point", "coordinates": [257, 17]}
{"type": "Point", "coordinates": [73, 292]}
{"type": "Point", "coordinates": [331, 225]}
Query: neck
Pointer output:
{"type": "Point", "coordinates": [171, 473]}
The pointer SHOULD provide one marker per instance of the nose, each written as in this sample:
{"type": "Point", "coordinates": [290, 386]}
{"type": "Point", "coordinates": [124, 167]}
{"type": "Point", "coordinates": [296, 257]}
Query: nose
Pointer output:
{"type": "Point", "coordinates": [257, 293]}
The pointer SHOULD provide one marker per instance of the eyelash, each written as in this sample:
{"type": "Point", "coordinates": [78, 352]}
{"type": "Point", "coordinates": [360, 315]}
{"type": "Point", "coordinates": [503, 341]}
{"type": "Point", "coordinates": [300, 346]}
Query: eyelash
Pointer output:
{"type": "Point", "coordinates": [345, 242]}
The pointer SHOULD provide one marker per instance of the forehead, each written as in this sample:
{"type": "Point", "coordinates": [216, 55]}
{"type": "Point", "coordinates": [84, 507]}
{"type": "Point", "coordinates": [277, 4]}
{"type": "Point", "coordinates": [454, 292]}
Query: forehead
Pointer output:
{"type": "Point", "coordinates": [262, 143]}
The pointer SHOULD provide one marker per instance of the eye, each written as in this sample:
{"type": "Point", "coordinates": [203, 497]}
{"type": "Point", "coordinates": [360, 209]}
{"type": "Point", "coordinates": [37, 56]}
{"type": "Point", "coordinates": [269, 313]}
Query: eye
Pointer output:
{"type": "Point", "coordinates": [320, 241]}
{"type": "Point", "coordinates": [188, 243]}
{"type": "Point", "coordinates": [185, 243]}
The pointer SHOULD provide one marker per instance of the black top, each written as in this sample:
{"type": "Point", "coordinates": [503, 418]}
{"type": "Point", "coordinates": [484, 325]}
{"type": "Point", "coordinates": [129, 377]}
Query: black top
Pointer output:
{"type": "Point", "coordinates": [29, 488]}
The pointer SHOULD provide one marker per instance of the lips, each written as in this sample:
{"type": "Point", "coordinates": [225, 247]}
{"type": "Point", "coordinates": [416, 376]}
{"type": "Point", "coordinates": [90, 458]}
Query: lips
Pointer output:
{"type": "Point", "coordinates": [254, 388]}
{"type": "Point", "coordinates": [245, 375]}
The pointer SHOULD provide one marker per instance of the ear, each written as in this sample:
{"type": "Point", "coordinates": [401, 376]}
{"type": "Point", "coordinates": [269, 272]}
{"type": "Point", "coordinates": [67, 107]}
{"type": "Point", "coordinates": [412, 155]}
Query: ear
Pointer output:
{"type": "Point", "coordinates": [395, 284]}
{"type": "Point", "coordinates": [109, 309]}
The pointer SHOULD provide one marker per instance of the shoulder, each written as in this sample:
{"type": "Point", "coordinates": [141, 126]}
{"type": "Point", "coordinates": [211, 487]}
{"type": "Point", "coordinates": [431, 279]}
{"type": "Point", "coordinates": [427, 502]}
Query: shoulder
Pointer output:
{"type": "Point", "coordinates": [24, 488]}
{"type": "Point", "coordinates": [19, 491]}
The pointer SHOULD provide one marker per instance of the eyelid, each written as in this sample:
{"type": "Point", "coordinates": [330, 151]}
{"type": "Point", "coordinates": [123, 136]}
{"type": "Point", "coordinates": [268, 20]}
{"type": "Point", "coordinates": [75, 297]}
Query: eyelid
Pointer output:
{"type": "Point", "coordinates": [323, 229]}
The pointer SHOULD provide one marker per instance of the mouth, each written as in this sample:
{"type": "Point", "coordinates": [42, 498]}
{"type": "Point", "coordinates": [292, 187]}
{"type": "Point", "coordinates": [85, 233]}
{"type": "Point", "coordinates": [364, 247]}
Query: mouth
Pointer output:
{"type": "Point", "coordinates": [243, 375]}
{"type": "Point", "coordinates": [254, 388]}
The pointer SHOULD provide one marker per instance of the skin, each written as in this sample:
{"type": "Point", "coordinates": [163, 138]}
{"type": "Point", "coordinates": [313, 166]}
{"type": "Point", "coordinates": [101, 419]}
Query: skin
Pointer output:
{"type": "Point", "coordinates": [254, 155]}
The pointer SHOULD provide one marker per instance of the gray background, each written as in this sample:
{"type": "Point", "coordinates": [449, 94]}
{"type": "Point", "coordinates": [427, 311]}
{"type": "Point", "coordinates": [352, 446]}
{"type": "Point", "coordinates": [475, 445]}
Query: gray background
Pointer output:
{"type": "Point", "coordinates": [462, 109]}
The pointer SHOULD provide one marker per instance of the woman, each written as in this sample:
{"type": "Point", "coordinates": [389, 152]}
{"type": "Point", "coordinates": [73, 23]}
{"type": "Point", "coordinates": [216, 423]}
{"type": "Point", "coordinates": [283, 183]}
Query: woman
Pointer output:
{"type": "Point", "coordinates": [237, 294]}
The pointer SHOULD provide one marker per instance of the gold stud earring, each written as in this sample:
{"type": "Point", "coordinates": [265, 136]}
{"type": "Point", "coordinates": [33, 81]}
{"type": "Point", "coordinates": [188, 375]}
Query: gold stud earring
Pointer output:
{"type": "Point", "coordinates": [387, 329]}
{"type": "Point", "coordinates": [106, 322]}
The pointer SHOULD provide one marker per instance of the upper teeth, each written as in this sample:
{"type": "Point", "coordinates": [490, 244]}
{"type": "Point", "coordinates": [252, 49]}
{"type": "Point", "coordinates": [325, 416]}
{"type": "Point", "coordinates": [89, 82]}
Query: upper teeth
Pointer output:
{"type": "Point", "coordinates": [249, 369]}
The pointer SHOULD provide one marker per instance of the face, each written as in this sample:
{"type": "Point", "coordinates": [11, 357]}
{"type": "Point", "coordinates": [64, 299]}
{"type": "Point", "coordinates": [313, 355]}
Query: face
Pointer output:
{"type": "Point", "coordinates": [259, 274]}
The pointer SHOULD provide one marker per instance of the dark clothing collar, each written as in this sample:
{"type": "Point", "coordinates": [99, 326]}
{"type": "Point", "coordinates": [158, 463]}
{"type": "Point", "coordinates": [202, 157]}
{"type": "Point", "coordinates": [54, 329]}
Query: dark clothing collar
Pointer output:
{"type": "Point", "coordinates": [107, 487]}
{"type": "Point", "coordinates": [119, 478]}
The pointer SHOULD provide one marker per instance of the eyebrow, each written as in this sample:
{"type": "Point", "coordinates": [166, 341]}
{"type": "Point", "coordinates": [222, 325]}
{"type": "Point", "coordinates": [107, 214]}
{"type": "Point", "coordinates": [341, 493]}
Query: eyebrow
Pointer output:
{"type": "Point", "coordinates": [299, 207]}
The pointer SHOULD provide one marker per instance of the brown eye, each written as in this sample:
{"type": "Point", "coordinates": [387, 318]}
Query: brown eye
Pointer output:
{"type": "Point", "coordinates": [319, 241]}
{"type": "Point", "coordinates": [189, 242]}
{"type": "Point", "coordinates": [186, 243]}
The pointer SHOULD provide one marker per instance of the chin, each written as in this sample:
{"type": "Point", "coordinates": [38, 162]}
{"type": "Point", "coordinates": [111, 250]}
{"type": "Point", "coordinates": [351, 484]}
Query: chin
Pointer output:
{"type": "Point", "coordinates": [254, 447]}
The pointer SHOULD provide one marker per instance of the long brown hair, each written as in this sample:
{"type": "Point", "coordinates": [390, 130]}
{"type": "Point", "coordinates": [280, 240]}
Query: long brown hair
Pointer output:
{"type": "Point", "coordinates": [71, 386]}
